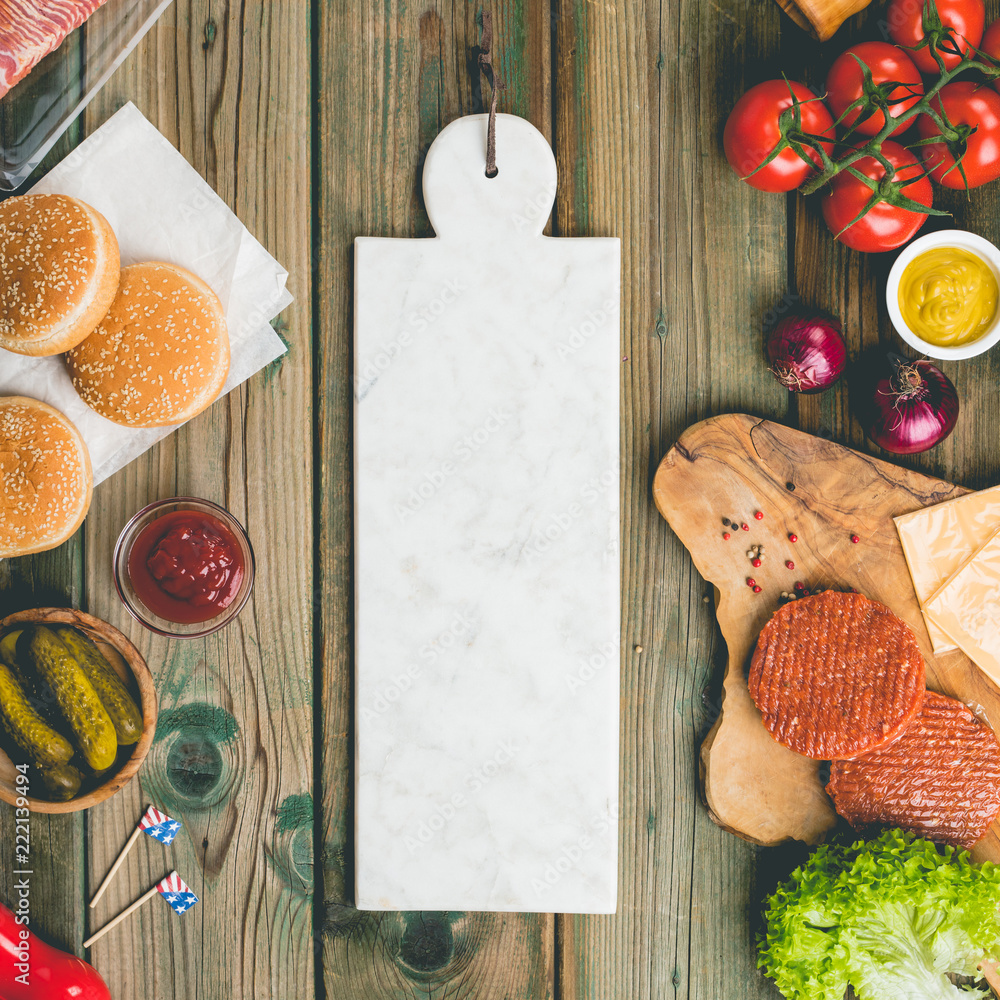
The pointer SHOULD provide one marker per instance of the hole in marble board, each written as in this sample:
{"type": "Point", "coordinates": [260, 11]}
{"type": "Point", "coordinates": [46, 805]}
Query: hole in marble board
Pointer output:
{"type": "Point", "coordinates": [496, 171]}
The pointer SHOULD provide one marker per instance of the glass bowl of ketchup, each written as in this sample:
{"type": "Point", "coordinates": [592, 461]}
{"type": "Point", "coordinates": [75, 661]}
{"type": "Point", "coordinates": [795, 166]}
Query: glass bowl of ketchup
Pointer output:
{"type": "Point", "coordinates": [183, 567]}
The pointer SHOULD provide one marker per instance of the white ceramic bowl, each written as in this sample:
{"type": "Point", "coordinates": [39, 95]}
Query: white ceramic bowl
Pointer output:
{"type": "Point", "coordinates": [945, 238]}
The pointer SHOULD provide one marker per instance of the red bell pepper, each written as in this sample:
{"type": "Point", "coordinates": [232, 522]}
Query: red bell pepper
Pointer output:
{"type": "Point", "coordinates": [30, 969]}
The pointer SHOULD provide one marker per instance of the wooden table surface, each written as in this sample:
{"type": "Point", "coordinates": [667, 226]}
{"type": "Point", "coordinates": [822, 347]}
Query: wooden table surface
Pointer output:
{"type": "Point", "coordinates": [311, 121]}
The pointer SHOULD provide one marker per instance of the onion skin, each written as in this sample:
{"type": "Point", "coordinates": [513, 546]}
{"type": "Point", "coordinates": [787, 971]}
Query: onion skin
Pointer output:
{"type": "Point", "coordinates": [806, 352]}
{"type": "Point", "coordinates": [913, 407]}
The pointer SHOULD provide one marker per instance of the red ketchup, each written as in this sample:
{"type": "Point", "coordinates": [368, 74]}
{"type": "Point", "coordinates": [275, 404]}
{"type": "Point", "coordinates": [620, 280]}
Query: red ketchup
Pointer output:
{"type": "Point", "coordinates": [186, 566]}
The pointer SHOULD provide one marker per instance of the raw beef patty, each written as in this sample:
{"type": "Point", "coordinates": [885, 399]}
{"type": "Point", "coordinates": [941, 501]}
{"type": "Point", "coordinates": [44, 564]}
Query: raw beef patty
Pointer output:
{"type": "Point", "coordinates": [836, 675]}
{"type": "Point", "coordinates": [939, 780]}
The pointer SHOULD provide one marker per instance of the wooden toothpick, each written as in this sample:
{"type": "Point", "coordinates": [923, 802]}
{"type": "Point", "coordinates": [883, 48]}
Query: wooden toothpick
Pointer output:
{"type": "Point", "coordinates": [114, 868]}
{"type": "Point", "coordinates": [121, 916]}
{"type": "Point", "coordinates": [158, 825]}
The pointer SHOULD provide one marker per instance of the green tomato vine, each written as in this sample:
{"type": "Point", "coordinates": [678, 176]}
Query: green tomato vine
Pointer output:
{"type": "Point", "coordinates": [940, 40]}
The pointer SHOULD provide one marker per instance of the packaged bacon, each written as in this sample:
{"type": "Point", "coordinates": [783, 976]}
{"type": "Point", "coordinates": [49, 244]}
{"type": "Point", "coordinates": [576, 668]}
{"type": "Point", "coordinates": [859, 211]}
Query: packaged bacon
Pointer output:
{"type": "Point", "coordinates": [48, 74]}
{"type": "Point", "coordinates": [31, 29]}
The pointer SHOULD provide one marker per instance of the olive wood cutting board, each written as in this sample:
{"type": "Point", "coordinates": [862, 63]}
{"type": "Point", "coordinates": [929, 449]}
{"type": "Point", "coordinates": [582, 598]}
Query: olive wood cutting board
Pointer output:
{"type": "Point", "coordinates": [733, 466]}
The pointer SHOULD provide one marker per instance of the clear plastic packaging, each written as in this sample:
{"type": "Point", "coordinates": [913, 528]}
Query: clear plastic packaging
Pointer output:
{"type": "Point", "coordinates": [35, 112]}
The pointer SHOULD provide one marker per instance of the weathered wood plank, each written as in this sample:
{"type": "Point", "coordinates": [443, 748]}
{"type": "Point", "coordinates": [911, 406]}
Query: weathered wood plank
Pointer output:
{"type": "Point", "coordinates": [233, 755]}
{"type": "Point", "coordinates": [50, 579]}
{"type": "Point", "coordinates": [826, 274]}
{"type": "Point", "coordinates": [642, 93]}
{"type": "Point", "coordinates": [391, 76]}
{"type": "Point", "coordinates": [852, 286]}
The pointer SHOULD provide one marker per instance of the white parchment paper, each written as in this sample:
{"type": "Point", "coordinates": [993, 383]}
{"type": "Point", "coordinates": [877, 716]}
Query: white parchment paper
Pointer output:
{"type": "Point", "coordinates": [160, 209]}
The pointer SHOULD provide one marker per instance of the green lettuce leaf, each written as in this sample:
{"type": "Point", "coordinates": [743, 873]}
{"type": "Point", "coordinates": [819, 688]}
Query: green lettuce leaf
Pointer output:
{"type": "Point", "coordinates": [892, 917]}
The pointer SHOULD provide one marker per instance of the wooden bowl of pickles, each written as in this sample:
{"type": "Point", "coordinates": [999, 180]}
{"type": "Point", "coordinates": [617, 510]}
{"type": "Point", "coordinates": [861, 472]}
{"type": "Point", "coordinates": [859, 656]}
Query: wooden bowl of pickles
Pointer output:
{"type": "Point", "coordinates": [77, 710]}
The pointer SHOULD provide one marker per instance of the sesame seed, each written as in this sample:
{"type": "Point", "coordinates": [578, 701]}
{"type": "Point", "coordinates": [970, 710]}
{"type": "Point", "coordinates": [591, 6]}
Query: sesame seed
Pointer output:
{"type": "Point", "coordinates": [123, 368]}
{"type": "Point", "coordinates": [44, 480]}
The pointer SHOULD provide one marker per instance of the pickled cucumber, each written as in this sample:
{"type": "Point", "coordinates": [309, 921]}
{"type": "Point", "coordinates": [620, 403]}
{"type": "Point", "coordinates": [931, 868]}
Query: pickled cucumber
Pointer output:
{"type": "Point", "coordinates": [38, 693]}
{"type": "Point", "coordinates": [8, 656]}
{"type": "Point", "coordinates": [8, 648]}
{"type": "Point", "coordinates": [121, 707]}
{"type": "Point", "coordinates": [26, 728]}
{"type": "Point", "coordinates": [78, 702]}
{"type": "Point", "coordinates": [61, 783]}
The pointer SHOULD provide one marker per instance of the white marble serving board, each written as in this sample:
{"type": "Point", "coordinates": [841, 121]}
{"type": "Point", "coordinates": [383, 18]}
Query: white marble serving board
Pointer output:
{"type": "Point", "coordinates": [487, 523]}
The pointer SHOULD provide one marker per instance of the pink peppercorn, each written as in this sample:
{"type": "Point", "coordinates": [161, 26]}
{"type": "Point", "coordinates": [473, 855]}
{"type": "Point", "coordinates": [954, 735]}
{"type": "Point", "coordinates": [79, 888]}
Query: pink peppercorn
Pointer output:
{"type": "Point", "coordinates": [755, 563]}
{"type": "Point", "coordinates": [756, 590]}
{"type": "Point", "coordinates": [793, 538]}
{"type": "Point", "coordinates": [745, 527]}
{"type": "Point", "coordinates": [790, 564]}
{"type": "Point", "coordinates": [726, 535]}
{"type": "Point", "coordinates": [855, 539]}
{"type": "Point", "coordinates": [751, 582]}
{"type": "Point", "coordinates": [759, 515]}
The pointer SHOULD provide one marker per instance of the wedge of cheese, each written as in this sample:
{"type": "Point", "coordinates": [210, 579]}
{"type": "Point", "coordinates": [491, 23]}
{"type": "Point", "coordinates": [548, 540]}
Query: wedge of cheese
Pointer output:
{"type": "Point", "coordinates": [967, 608]}
{"type": "Point", "coordinates": [938, 541]}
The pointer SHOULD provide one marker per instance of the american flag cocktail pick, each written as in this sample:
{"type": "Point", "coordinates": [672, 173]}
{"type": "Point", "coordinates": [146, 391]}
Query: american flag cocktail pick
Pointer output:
{"type": "Point", "coordinates": [157, 825]}
{"type": "Point", "coordinates": [172, 888]}
{"type": "Point", "coordinates": [176, 892]}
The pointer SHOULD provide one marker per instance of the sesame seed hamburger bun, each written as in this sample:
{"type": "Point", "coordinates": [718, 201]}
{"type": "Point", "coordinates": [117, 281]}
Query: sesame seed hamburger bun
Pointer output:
{"type": "Point", "coordinates": [59, 268]}
{"type": "Point", "coordinates": [161, 354]}
{"type": "Point", "coordinates": [45, 477]}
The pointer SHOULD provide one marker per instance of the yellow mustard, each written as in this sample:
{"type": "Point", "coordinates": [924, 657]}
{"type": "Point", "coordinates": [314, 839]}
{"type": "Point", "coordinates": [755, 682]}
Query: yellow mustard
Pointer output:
{"type": "Point", "coordinates": [948, 296]}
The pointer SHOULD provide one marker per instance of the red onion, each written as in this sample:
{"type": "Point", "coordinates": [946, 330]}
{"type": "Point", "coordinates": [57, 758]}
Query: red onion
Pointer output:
{"type": "Point", "coordinates": [913, 407]}
{"type": "Point", "coordinates": [807, 352]}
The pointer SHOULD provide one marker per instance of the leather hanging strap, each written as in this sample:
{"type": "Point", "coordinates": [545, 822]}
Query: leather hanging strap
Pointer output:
{"type": "Point", "coordinates": [496, 85]}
